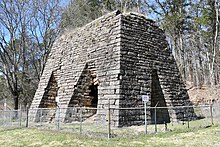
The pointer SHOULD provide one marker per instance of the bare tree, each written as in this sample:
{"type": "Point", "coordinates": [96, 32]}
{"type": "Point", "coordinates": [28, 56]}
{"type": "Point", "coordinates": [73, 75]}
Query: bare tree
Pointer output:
{"type": "Point", "coordinates": [172, 16]}
{"type": "Point", "coordinates": [192, 28]}
{"type": "Point", "coordinates": [80, 12]}
{"type": "Point", "coordinates": [43, 28]}
{"type": "Point", "coordinates": [213, 68]}
{"type": "Point", "coordinates": [28, 29]}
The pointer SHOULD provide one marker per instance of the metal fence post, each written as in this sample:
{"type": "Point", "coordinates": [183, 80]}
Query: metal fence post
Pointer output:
{"type": "Point", "coordinates": [41, 115]}
{"type": "Point", "coordinates": [20, 118]}
{"type": "Point", "coordinates": [58, 118]}
{"type": "Point", "coordinates": [4, 117]}
{"type": "Point", "coordinates": [4, 112]}
{"type": "Point", "coordinates": [188, 122]}
{"type": "Point", "coordinates": [211, 115]}
{"type": "Point", "coordinates": [27, 116]}
{"type": "Point", "coordinates": [155, 118]}
{"type": "Point", "coordinates": [187, 117]}
{"type": "Point", "coordinates": [10, 117]}
{"type": "Point", "coordinates": [145, 116]}
{"type": "Point", "coordinates": [109, 120]}
{"type": "Point", "coordinates": [80, 111]}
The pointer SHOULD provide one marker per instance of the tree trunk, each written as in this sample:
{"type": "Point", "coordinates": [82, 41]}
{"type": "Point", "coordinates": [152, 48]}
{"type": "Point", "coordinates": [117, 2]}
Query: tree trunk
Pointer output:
{"type": "Point", "coordinates": [16, 102]}
{"type": "Point", "coordinates": [213, 77]}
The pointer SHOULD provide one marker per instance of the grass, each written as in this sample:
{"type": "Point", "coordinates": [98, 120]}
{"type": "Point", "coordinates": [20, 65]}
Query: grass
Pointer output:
{"type": "Point", "coordinates": [35, 137]}
{"type": "Point", "coordinates": [177, 134]}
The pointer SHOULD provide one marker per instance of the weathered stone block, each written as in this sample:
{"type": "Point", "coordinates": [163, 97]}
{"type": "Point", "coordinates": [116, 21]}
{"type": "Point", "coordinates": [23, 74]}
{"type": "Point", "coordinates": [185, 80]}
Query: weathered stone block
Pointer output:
{"type": "Point", "coordinates": [115, 59]}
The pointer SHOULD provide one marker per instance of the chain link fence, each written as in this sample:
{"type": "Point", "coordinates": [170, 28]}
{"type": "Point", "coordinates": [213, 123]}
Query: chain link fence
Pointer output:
{"type": "Point", "coordinates": [86, 121]}
{"type": "Point", "coordinates": [11, 118]}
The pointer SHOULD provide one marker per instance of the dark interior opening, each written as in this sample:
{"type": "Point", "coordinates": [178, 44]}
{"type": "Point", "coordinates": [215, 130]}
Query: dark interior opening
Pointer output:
{"type": "Point", "coordinates": [48, 100]}
{"type": "Point", "coordinates": [94, 95]}
{"type": "Point", "coordinates": [157, 98]}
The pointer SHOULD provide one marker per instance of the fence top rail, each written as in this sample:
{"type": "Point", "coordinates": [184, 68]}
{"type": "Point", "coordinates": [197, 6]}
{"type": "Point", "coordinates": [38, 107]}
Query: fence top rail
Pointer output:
{"type": "Point", "coordinates": [42, 108]}
{"type": "Point", "coordinates": [172, 107]}
{"type": "Point", "coordinates": [10, 110]}
{"type": "Point", "coordinates": [128, 108]}
{"type": "Point", "coordinates": [83, 108]}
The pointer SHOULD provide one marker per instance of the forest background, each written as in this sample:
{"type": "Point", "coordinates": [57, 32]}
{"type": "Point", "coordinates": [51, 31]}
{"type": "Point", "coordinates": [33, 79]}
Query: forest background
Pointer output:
{"type": "Point", "coordinates": [28, 29]}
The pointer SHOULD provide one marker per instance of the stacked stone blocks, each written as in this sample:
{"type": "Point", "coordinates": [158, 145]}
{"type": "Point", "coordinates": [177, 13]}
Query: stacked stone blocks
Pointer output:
{"type": "Point", "coordinates": [118, 53]}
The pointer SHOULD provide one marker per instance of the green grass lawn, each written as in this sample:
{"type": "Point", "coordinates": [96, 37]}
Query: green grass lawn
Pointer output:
{"type": "Point", "coordinates": [34, 137]}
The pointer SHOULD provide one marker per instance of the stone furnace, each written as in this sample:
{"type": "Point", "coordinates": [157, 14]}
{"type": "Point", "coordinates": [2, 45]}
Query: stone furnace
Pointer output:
{"type": "Point", "coordinates": [115, 59]}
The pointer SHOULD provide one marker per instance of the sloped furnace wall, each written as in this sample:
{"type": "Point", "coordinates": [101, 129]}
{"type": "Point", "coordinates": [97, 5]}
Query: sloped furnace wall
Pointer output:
{"type": "Point", "coordinates": [146, 60]}
{"type": "Point", "coordinates": [97, 46]}
{"type": "Point", "coordinates": [129, 56]}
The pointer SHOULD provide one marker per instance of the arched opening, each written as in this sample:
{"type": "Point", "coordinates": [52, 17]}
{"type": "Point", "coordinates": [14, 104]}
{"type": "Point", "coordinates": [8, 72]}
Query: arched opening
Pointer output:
{"type": "Point", "coordinates": [157, 99]}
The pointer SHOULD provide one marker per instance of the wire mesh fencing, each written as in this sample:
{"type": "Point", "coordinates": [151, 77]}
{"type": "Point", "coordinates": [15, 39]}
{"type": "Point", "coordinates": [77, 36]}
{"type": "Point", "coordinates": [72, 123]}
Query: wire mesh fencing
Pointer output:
{"type": "Point", "coordinates": [158, 121]}
{"type": "Point", "coordinates": [113, 122]}
{"type": "Point", "coordinates": [80, 120]}
{"type": "Point", "coordinates": [11, 118]}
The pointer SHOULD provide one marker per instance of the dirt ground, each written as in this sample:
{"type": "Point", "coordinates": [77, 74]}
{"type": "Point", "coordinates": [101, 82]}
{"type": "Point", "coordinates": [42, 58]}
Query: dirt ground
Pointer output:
{"type": "Point", "coordinates": [203, 95]}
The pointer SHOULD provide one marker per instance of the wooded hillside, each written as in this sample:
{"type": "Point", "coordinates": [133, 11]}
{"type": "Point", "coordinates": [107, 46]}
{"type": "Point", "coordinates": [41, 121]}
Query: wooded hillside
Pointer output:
{"type": "Point", "coordinates": [28, 29]}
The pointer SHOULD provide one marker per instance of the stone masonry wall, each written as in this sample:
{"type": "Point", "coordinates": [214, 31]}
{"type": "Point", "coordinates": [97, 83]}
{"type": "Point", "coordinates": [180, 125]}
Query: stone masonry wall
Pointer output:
{"type": "Point", "coordinates": [94, 47]}
{"type": "Point", "coordinates": [144, 49]}
{"type": "Point", "coordinates": [128, 56]}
